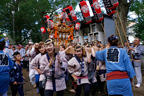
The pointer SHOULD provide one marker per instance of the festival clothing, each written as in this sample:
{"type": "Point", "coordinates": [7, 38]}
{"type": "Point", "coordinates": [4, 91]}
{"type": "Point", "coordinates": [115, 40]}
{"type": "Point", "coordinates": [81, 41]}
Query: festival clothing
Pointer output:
{"type": "Point", "coordinates": [119, 70]}
{"type": "Point", "coordinates": [5, 65]}
{"type": "Point", "coordinates": [16, 76]}
{"type": "Point", "coordinates": [55, 73]}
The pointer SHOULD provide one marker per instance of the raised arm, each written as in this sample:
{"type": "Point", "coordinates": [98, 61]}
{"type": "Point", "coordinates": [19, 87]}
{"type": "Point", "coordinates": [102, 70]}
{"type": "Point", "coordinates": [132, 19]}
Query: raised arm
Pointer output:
{"type": "Point", "coordinates": [67, 48]}
{"type": "Point", "coordinates": [94, 50]}
{"type": "Point", "coordinates": [88, 54]}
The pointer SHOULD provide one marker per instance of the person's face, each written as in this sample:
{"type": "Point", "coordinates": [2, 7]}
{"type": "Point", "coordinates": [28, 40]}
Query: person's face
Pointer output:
{"type": "Point", "coordinates": [126, 44]}
{"type": "Point", "coordinates": [49, 48]}
{"type": "Point", "coordinates": [13, 48]}
{"type": "Point", "coordinates": [61, 48]}
{"type": "Point", "coordinates": [9, 47]}
{"type": "Point", "coordinates": [79, 52]}
{"type": "Point", "coordinates": [136, 41]}
{"type": "Point", "coordinates": [18, 47]}
{"type": "Point", "coordinates": [88, 46]}
{"type": "Point", "coordinates": [42, 49]}
{"type": "Point", "coordinates": [36, 50]}
{"type": "Point", "coordinates": [26, 48]}
{"type": "Point", "coordinates": [18, 57]}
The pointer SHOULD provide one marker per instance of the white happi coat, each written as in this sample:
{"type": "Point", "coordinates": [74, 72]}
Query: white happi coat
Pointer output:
{"type": "Point", "coordinates": [31, 54]}
{"type": "Point", "coordinates": [36, 62]}
{"type": "Point", "coordinates": [13, 53]}
{"type": "Point", "coordinates": [9, 52]}
{"type": "Point", "coordinates": [59, 71]}
{"type": "Point", "coordinates": [75, 68]}
{"type": "Point", "coordinates": [22, 52]}
{"type": "Point", "coordinates": [102, 66]}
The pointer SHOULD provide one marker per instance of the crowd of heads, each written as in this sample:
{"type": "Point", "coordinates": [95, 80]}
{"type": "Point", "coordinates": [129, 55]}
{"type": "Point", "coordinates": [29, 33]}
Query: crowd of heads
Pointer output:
{"type": "Point", "coordinates": [49, 46]}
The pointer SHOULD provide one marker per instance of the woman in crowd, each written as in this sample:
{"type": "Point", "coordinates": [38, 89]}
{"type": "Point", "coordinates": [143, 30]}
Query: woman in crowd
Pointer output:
{"type": "Point", "coordinates": [77, 67]}
{"type": "Point", "coordinates": [91, 71]}
{"type": "Point", "coordinates": [53, 66]}
{"type": "Point", "coordinates": [35, 64]}
{"type": "Point", "coordinates": [33, 51]}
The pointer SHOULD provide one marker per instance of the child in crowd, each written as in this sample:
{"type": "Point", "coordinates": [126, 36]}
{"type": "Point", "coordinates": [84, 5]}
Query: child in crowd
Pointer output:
{"type": "Point", "coordinates": [16, 76]}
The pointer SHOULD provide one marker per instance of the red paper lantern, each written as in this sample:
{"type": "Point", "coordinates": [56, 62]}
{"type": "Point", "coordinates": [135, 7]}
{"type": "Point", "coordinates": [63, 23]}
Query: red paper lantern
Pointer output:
{"type": "Point", "coordinates": [67, 10]}
{"type": "Point", "coordinates": [72, 13]}
{"type": "Point", "coordinates": [112, 4]}
{"type": "Point", "coordinates": [43, 30]}
{"type": "Point", "coordinates": [77, 26]}
{"type": "Point", "coordinates": [66, 17]}
{"type": "Point", "coordinates": [96, 10]}
{"type": "Point", "coordinates": [109, 12]}
{"type": "Point", "coordinates": [85, 12]}
{"type": "Point", "coordinates": [47, 17]}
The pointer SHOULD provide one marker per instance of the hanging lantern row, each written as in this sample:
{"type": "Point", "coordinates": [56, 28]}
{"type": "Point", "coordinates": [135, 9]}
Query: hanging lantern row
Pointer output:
{"type": "Point", "coordinates": [110, 6]}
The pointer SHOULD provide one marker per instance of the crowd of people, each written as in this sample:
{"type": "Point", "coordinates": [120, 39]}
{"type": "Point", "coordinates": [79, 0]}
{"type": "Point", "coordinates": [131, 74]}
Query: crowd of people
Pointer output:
{"type": "Point", "coordinates": [92, 67]}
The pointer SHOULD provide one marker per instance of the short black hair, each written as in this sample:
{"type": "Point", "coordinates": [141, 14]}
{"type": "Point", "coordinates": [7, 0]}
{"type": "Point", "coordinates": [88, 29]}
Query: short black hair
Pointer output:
{"type": "Point", "coordinates": [63, 46]}
{"type": "Point", "coordinates": [2, 45]}
{"type": "Point", "coordinates": [113, 40]}
{"type": "Point", "coordinates": [16, 53]}
{"type": "Point", "coordinates": [13, 47]}
{"type": "Point", "coordinates": [78, 47]}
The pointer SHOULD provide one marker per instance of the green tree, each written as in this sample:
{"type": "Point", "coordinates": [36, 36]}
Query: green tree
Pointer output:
{"type": "Point", "coordinates": [138, 7]}
{"type": "Point", "coordinates": [28, 17]}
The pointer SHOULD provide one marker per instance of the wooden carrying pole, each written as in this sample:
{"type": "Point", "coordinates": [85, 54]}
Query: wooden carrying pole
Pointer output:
{"type": "Point", "coordinates": [118, 31]}
{"type": "Point", "coordinates": [123, 30]}
{"type": "Point", "coordinates": [122, 25]}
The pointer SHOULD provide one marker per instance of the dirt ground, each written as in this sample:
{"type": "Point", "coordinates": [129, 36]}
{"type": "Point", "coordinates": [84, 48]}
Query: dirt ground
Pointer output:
{"type": "Point", "coordinates": [30, 91]}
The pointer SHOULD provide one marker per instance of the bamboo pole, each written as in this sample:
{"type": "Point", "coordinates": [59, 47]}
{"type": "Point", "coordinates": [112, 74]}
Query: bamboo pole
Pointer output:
{"type": "Point", "coordinates": [121, 25]}
{"type": "Point", "coordinates": [123, 30]}
{"type": "Point", "coordinates": [118, 31]}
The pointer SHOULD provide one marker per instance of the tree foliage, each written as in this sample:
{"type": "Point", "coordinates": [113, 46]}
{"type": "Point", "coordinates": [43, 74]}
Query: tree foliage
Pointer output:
{"type": "Point", "coordinates": [28, 17]}
{"type": "Point", "coordinates": [138, 8]}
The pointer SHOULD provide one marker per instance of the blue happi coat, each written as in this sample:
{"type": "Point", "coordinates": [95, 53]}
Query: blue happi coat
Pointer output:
{"type": "Point", "coordinates": [5, 65]}
{"type": "Point", "coordinates": [16, 74]}
{"type": "Point", "coordinates": [117, 59]}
